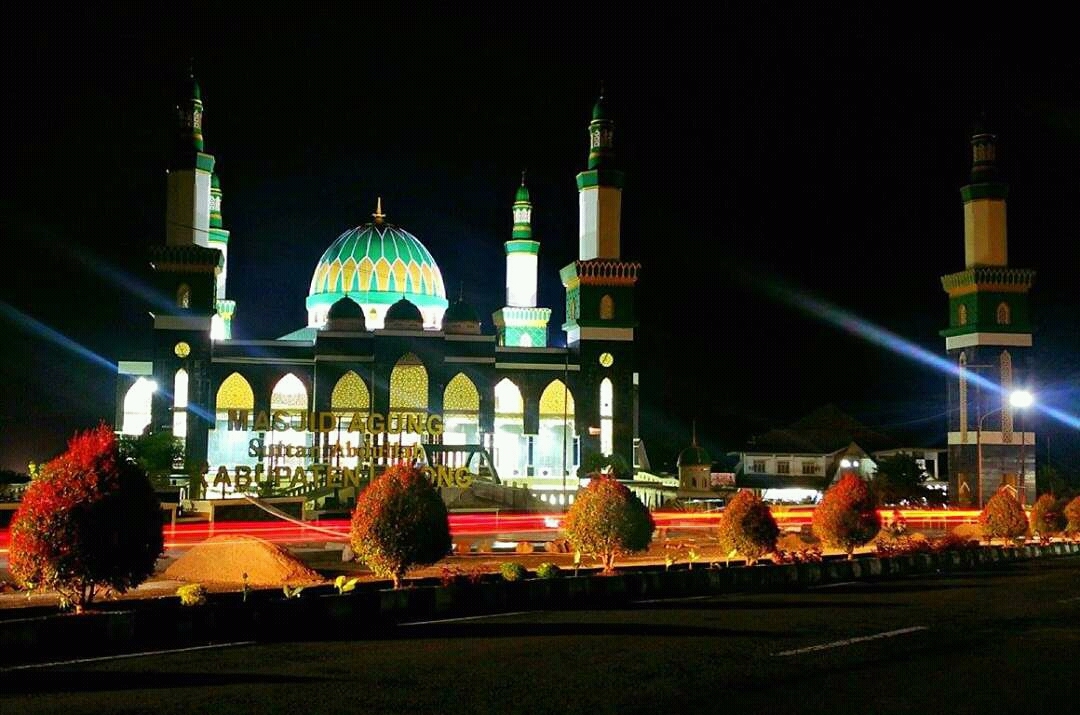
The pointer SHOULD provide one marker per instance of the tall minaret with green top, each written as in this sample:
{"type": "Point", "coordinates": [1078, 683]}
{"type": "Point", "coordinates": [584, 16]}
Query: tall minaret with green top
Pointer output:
{"type": "Point", "coordinates": [190, 171]}
{"type": "Point", "coordinates": [600, 314]}
{"type": "Point", "coordinates": [991, 443]}
{"type": "Point", "coordinates": [600, 191]}
{"type": "Point", "coordinates": [219, 239]}
{"type": "Point", "coordinates": [520, 323]}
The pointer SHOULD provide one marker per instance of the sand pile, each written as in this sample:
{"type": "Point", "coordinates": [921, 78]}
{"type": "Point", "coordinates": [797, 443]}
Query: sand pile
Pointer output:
{"type": "Point", "coordinates": [225, 559]}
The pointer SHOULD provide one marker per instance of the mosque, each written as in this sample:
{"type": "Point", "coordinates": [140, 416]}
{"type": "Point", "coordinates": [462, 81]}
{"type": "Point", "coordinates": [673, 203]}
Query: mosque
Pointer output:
{"type": "Point", "coordinates": [387, 367]}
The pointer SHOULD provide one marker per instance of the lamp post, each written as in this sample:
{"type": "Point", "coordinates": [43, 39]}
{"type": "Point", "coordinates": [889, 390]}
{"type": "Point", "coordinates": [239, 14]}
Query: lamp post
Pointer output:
{"type": "Point", "coordinates": [1021, 399]}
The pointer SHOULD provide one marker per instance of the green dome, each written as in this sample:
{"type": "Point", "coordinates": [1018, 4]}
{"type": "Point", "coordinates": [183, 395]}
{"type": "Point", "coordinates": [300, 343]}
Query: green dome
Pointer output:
{"type": "Point", "coordinates": [694, 456]}
{"type": "Point", "coordinates": [522, 193]}
{"type": "Point", "coordinates": [404, 310]}
{"type": "Point", "coordinates": [215, 182]}
{"type": "Point", "coordinates": [600, 110]}
{"type": "Point", "coordinates": [461, 312]}
{"type": "Point", "coordinates": [376, 265]}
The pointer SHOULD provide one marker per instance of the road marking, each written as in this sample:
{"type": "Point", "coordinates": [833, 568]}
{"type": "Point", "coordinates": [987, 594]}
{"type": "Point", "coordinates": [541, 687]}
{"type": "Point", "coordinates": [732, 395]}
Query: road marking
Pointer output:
{"type": "Point", "coordinates": [465, 618]}
{"type": "Point", "coordinates": [849, 641]}
{"type": "Point", "coordinates": [834, 585]}
{"type": "Point", "coordinates": [1069, 600]}
{"type": "Point", "coordinates": [122, 656]}
{"type": "Point", "coordinates": [674, 600]}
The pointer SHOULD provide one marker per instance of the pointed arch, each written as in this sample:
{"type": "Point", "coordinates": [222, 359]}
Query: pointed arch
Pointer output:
{"type": "Point", "coordinates": [408, 385]}
{"type": "Point", "coordinates": [607, 413]}
{"type": "Point", "coordinates": [235, 393]}
{"type": "Point", "coordinates": [525, 340]}
{"type": "Point", "coordinates": [461, 396]}
{"type": "Point", "coordinates": [180, 403]}
{"type": "Point", "coordinates": [961, 314]}
{"type": "Point", "coordinates": [1004, 314]}
{"type": "Point", "coordinates": [183, 296]}
{"type": "Point", "coordinates": [350, 393]}
{"type": "Point", "coordinates": [508, 401]}
{"type": "Point", "coordinates": [556, 400]}
{"type": "Point", "coordinates": [289, 394]}
{"type": "Point", "coordinates": [607, 307]}
{"type": "Point", "coordinates": [137, 404]}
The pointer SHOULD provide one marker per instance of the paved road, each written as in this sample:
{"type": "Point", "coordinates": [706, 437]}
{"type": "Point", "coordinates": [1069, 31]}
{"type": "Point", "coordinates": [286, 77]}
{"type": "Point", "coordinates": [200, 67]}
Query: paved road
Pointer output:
{"type": "Point", "coordinates": [979, 643]}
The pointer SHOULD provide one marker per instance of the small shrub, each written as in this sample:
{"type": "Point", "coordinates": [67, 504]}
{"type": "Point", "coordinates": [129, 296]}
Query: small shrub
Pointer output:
{"type": "Point", "coordinates": [1072, 516]}
{"type": "Point", "coordinates": [747, 527]}
{"type": "Point", "coordinates": [344, 585]}
{"type": "Point", "coordinates": [400, 521]}
{"type": "Point", "coordinates": [967, 531]}
{"type": "Point", "coordinates": [607, 519]}
{"type": "Point", "coordinates": [953, 541]}
{"type": "Point", "coordinates": [1003, 516]}
{"type": "Point", "coordinates": [897, 524]}
{"type": "Point", "coordinates": [512, 571]}
{"type": "Point", "coordinates": [292, 592]}
{"type": "Point", "coordinates": [1048, 516]}
{"type": "Point", "coordinates": [548, 570]}
{"type": "Point", "coordinates": [192, 594]}
{"type": "Point", "coordinates": [846, 517]}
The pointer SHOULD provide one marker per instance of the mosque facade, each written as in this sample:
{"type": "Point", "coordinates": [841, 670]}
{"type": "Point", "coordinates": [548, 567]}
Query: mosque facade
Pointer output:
{"type": "Point", "coordinates": [387, 367]}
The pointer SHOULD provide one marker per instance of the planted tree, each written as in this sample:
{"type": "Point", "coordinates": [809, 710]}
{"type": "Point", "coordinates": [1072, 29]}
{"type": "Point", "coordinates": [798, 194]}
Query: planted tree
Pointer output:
{"type": "Point", "coordinates": [747, 527]}
{"type": "Point", "coordinates": [607, 520]}
{"type": "Point", "coordinates": [846, 517]}
{"type": "Point", "coordinates": [89, 521]}
{"type": "Point", "coordinates": [612, 465]}
{"type": "Point", "coordinates": [898, 479]}
{"type": "Point", "coordinates": [1003, 516]}
{"type": "Point", "coordinates": [400, 521]}
{"type": "Point", "coordinates": [1048, 515]}
{"type": "Point", "coordinates": [1072, 516]}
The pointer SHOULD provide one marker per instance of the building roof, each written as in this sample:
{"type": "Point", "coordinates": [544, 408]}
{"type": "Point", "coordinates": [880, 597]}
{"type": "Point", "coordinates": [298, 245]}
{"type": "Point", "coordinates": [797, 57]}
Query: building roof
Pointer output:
{"type": "Point", "coordinates": [824, 431]}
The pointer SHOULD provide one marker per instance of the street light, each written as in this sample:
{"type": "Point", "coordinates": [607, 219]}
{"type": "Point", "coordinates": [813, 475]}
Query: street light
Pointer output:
{"type": "Point", "coordinates": [1020, 399]}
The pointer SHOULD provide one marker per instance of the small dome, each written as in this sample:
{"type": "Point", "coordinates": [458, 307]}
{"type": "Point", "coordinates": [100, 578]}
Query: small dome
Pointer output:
{"type": "Point", "coordinates": [600, 110]}
{"type": "Point", "coordinates": [404, 315]}
{"type": "Point", "coordinates": [346, 315]}
{"type": "Point", "coordinates": [461, 319]}
{"type": "Point", "coordinates": [694, 456]}
{"type": "Point", "coordinates": [215, 182]}
{"type": "Point", "coordinates": [522, 193]}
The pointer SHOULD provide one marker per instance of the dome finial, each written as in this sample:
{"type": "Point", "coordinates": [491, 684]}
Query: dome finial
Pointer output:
{"type": "Point", "coordinates": [522, 177]}
{"type": "Point", "coordinates": [379, 216]}
{"type": "Point", "coordinates": [693, 428]}
{"type": "Point", "coordinates": [461, 291]}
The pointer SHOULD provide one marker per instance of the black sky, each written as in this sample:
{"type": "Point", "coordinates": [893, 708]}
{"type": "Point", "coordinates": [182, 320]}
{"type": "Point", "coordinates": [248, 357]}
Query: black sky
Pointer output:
{"type": "Point", "coordinates": [765, 149]}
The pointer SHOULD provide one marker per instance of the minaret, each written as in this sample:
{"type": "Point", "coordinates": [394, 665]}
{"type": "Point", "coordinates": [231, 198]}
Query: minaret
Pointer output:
{"type": "Point", "coordinates": [520, 323]}
{"type": "Point", "coordinates": [219, 239]}
{"type": "Point", "coordinates": [989, 341]}
{"type": "Point", "coordinates": [188, 203]}
{"type": "Point", "coordinates": [600, 191]}
{"type": "Point", "coordinates": [600, 314]}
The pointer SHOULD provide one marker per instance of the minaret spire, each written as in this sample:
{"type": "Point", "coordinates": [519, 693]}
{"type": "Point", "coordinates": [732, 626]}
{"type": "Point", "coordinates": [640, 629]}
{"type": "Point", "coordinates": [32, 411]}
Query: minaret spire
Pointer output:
{"type": "Point", "coordinates": [521, 323]}
{"type": "Point", "coordinates": [189, 114]}
{"type": "Point", "coordinates": [379, 216]}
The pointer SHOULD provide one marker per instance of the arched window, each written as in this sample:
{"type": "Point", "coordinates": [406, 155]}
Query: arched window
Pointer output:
{"type": "Point", "coordinates": [180, 402]}
{"type": "Point", "coordinates": [235, 394]}
{"type": "Point", "coordinates": [137, 403]}
{"type": "Point", "coordinates": [289, 394]}
{"type": "Point", "coordinates": [511, 444]}
{"type": "Point", "coordinates": [1004, 315]}
{"type": "Point", "coordinates": [183, 296]}
{"type": "Point", "coordinates": [607, 413]}
{"type": "Point", "coordinates": [525, 341]}
{"type": "Point", "coordinates": [961, 315]}
{"type": "Point", "coordinates": [607, 308]}
{"type": "Point", "coordinates": [461, 411]}
{"type": "Point", "coordinates": [350, 394]}
{"type": "Point", "coordinates": [409, 385]}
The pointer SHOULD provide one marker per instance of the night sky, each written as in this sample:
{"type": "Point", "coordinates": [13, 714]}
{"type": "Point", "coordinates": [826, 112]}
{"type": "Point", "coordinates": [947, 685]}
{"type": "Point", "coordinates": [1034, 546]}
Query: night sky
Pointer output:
{"type": "Point", "coordinates": [768, 153]}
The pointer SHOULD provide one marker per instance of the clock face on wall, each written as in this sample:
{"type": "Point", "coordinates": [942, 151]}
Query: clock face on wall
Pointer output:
{"type": "Point", "coordinates": [182, 349]}
{"type": "Point", "coordinates": [607, 359]}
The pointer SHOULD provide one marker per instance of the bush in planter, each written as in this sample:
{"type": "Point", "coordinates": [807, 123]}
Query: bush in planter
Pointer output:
{"type": "Point", "coordinates": [400, 521]}
{"type": "Point", "coordinates": [747, 527]}
{"type": "Point", "coordinates": [1003, 516]}
{"type": "Point", "coordinates": [548, 570]}
{"type": "Point", "coordinates": [192, 594]}
{"type": "Point", "coordinates": [90, 521]}
{"type": "Point", "coordinates": [512, 571]}
{"type": "Point", "coordinates": [607, 519]}
{"type": "Point", "coordinates": [1072, 515]}
{"type": "Point", "coordinates": [1048, 516]}
{"type": "Point", "coordinates": [846, 517]}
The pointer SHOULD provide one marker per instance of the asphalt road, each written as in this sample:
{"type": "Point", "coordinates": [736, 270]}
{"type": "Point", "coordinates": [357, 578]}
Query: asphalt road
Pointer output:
{"type": "Point", "coordinates": [986, 642]}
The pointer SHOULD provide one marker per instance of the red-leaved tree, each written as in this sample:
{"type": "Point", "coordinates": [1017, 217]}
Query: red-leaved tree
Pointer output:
{"type": "Point", "coordinates": [1072, 517]}
{"type": "Point", "coordinates": [90, 520]}
{"type": "Point", "coordinates": [846, 517]}
{"type": "Point", "coordinates": [1048, 516]}
{"type": "Point", "coordinates": [400, 521]}
{"type": "Point", "coordinates": [747, 526]}
{"type": "Point", "coordinates": [1003, 516]}
{"type": "Point", "coordinates": [606, 520]}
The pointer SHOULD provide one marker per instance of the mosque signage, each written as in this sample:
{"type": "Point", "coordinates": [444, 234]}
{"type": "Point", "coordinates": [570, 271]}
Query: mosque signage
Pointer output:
{"type": "Point", "coordinates": [320, 468]}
